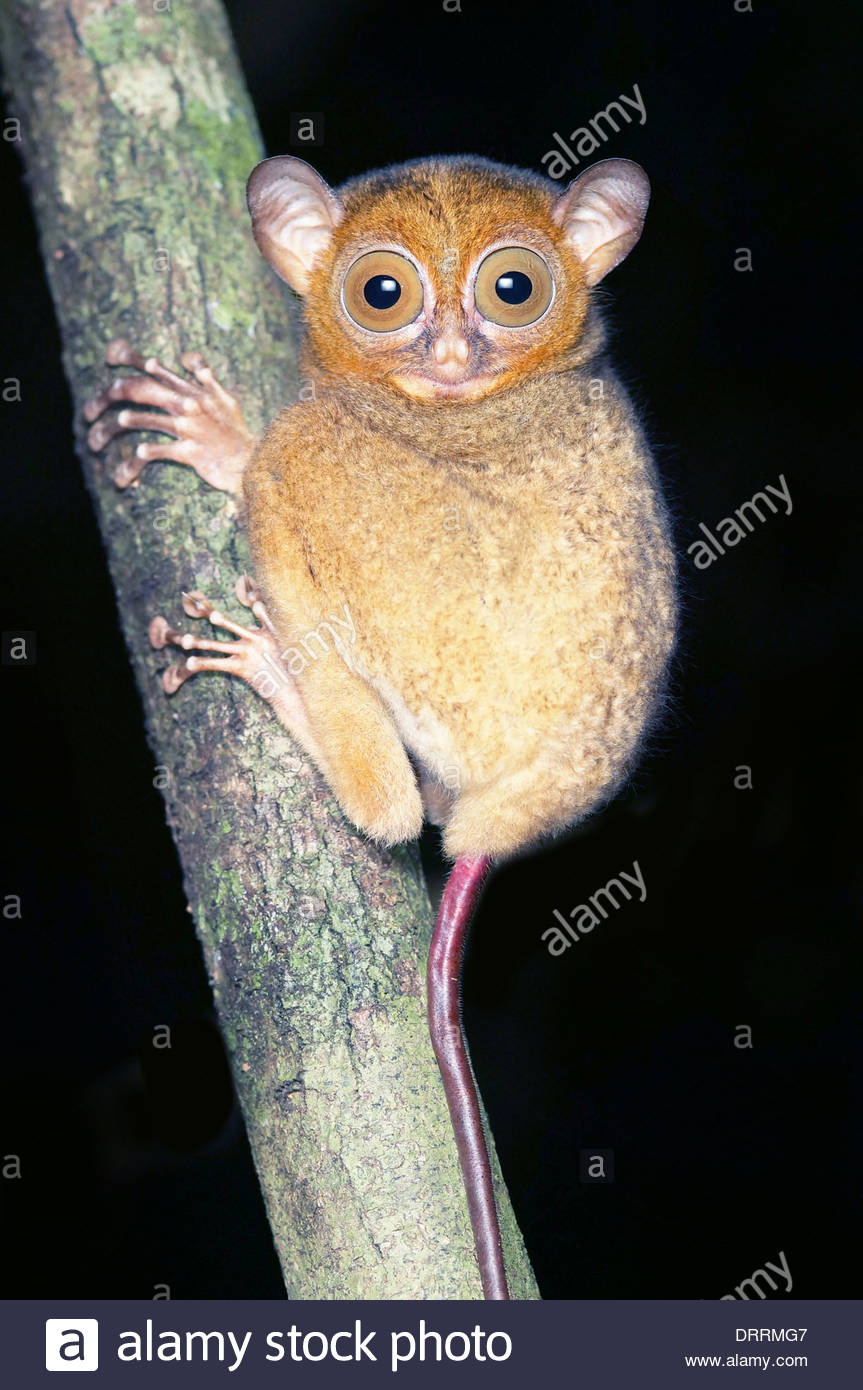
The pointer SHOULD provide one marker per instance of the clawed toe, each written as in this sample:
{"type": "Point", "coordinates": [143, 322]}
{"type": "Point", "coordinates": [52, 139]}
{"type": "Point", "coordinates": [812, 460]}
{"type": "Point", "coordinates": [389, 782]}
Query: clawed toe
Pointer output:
{"type": "Point", "coordinates": [247, 590]}
{"type": "Point", "coordinates": [249, 596]}
{"type": "Point", "coordinates": [195, 604]}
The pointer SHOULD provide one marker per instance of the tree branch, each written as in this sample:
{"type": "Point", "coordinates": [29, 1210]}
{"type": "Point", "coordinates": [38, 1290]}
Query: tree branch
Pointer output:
{"type": "Point", "coordinates": [138, 136]}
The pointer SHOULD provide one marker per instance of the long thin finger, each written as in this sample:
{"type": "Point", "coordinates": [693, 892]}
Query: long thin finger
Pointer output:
{"type": "Point", "coordinates": [140, 389]}
{"type": "Point", "coordinates": [203, 372]}
{"type": "Point", "coordinates": [130, 469]}
{"type": "Point", "coordinates": [120, 353]}
{"type": "Point", "coordinates": [105, 430]}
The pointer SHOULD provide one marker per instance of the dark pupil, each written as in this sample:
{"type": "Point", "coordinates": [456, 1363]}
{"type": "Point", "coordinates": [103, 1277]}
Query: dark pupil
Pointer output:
{"type": "Point", "coordinates": [513, 287]}
{"type": "Point", "coordinates": [382, 291]}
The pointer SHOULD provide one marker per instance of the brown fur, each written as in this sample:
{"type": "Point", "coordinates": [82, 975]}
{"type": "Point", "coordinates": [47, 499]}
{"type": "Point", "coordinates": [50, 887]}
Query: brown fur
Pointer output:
{"type": "Point", "coordinates": [505, 562]}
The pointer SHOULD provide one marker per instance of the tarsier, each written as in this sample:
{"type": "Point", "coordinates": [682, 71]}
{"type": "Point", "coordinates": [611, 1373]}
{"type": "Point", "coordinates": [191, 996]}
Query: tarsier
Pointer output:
{"type": "Point", "coordinates": [470, 483]}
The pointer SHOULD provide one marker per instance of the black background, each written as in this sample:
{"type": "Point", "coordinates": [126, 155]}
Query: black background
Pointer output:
{"type": "Point", "coordinates": [136, 1171]}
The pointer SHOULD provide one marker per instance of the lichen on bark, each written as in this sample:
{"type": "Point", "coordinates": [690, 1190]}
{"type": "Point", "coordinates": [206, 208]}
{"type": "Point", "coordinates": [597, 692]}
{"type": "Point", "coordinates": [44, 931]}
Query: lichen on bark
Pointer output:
{"type": "Point", "coordinates": [137, 138]}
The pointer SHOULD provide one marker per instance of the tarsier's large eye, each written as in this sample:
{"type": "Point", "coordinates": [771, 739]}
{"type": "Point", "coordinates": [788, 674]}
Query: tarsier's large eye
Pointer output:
{"type": "Point", "coordinates": [513, 287]}
{"type": "Point", "coordinates": [382, 291]}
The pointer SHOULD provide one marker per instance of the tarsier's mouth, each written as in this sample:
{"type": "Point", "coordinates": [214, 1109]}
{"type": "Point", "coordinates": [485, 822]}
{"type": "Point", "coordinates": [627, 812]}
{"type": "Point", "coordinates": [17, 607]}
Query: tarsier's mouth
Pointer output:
{"type": "Point", "coordinates": [425, 386]}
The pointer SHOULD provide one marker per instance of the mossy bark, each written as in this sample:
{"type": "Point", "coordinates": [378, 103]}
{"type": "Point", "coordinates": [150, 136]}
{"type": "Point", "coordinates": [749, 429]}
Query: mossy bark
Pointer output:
{"type": "Point", "coordinates": [137, 137]}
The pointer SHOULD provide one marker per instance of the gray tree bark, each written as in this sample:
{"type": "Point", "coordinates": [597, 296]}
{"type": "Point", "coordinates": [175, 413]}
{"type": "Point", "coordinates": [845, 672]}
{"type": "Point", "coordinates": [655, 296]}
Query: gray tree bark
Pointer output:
{"type": "Point", "coordinates": [137, 136]}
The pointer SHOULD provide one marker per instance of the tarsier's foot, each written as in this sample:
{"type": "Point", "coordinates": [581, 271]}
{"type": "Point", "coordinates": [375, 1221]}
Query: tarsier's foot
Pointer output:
{"type": "Point", "coordinates": [253, 656]}
{"type": "Point", "coordinates": [371, 777]}
{"type": "Point", "coordinates": [204, 420]}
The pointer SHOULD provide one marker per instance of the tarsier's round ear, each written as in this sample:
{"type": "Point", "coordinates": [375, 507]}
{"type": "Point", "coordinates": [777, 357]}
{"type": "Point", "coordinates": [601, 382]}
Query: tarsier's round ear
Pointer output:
{"type": "Point", "coordinates": [294, 214]}
{"type": "Point", "coordinates": [602, 213]}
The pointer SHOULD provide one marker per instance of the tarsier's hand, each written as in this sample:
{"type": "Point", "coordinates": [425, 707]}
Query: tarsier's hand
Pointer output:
{"type": "Point", "coordinates": [204, 420]}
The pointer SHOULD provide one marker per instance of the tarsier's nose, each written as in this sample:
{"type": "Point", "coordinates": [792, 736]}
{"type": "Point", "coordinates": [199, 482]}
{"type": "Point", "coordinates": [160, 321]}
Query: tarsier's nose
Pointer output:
{"type": "Point", "coordinates": [451, 350]}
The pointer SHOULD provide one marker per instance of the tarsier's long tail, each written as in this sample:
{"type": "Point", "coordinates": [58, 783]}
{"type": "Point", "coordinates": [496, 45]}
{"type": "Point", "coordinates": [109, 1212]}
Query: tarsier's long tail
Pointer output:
{"type": "Point", "coordinates": [444, 1012]}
